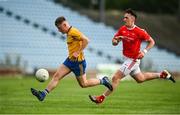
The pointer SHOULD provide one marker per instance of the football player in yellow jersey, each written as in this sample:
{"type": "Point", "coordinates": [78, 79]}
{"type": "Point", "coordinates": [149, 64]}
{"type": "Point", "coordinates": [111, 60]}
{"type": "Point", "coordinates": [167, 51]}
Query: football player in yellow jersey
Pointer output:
{"type": "Point", "coordinates": [75, 62]}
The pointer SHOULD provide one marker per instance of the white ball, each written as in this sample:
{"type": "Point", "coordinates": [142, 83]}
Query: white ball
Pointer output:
{"type": "Point", "coordinates": [42, 75]}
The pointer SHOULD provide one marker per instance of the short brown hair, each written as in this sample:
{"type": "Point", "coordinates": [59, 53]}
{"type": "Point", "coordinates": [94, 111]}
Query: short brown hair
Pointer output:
{"type": "Point", "coordinates": [59, 20]}
{"type": "Point", "coordinates": [130, 11]}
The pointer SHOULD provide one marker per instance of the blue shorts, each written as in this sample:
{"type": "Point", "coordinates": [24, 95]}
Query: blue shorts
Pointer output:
{"type": "Point", "coordinates": [77, 67]}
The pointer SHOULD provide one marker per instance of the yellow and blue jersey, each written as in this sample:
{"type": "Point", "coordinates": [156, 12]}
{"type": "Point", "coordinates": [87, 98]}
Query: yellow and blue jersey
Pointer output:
{"type": "Point", "coordinates": [74, 42]}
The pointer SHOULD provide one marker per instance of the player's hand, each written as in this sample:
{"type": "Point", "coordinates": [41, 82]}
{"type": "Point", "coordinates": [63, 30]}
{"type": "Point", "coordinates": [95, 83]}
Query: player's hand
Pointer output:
{"type": "Point", "coordinates": [140, 55]}
{"type": "Point", "coordinates": [115, 42]}
{"type": "Point", "coordinates": [119, 38]}
{"type": "Point", "coordinates": [76, 54]}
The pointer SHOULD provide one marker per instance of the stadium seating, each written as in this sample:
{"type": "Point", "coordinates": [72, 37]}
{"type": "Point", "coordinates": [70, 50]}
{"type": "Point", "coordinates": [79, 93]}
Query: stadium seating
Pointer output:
{"type": "Point", "coordinates": [26, 26]}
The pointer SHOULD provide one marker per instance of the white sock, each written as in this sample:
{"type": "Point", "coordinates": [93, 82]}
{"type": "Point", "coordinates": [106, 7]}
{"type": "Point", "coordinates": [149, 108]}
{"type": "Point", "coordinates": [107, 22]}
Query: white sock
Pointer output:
{"type": "Point", "coordinates": [159, 75]}
{"type": "Point", "coordinates": [104, 95]}
{"type": "Point", "coordinates": [46, 91]}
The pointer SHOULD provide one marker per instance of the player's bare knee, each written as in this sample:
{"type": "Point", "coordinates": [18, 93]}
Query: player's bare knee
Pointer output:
{"type": "Point", "coordinates": [140, 80]}
{"type": "Point", "coordinates": [83, 84]}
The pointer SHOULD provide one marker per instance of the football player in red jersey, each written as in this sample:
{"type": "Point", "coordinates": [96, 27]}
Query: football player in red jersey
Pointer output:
{"type": "Point", "coordinates": [132, 37]}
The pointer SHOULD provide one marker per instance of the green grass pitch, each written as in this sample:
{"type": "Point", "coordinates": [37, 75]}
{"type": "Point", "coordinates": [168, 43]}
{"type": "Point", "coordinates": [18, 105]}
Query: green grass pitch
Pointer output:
{"type": "Point", "coordinates": [158, 96]}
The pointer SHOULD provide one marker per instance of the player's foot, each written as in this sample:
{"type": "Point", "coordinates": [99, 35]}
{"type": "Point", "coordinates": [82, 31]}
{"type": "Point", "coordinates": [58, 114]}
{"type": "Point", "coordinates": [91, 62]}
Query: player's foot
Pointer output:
{"type": "Point", "coordinates": [39, 94]}
{"type": "Point", "coordinates": [97, 99]}
{"type": "Point", "coordinates": [166, 75]}
{"type": "Point", "coordinates": [107, 83]}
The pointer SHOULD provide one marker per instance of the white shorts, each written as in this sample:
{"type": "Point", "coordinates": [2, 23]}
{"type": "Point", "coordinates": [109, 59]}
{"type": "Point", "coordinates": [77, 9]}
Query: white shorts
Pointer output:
{"type": "Point", "coordinates": [130, 66]}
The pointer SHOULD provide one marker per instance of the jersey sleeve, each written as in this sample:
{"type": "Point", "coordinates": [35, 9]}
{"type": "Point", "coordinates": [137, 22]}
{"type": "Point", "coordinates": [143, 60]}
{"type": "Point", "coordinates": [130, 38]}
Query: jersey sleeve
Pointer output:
{"type": "Point", "coordinates": [75, 33]}
{"type": "Point", "coordinates": [144, 35]}
{"type": "Point", "coordinates": [118, 33]}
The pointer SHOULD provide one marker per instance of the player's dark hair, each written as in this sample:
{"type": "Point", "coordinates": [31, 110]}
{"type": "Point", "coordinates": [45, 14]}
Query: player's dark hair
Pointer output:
{"type": "Point", "coordinates": [59, 20]}
{"type": "Point", "coordinates": [130, 11]}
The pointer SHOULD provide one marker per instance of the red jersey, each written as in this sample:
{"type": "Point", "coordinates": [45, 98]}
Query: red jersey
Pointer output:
{"type": "Point", "coordinates": [132, 40]}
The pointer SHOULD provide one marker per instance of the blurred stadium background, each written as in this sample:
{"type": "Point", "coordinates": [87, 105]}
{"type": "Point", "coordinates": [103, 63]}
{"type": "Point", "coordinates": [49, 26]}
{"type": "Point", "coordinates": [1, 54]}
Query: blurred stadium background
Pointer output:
{"type": "Point", "coordinates": [29, 39]}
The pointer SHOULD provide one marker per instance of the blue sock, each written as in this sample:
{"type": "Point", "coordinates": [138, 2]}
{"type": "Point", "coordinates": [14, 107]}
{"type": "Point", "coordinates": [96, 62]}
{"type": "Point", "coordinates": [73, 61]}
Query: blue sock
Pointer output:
{"type": "Point", "coordinates": [101, 81]}
{"type": "Point", "coordinates": [45, 92]}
